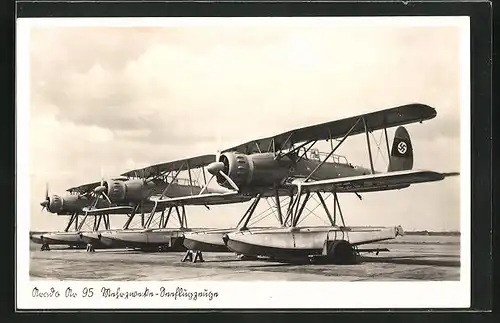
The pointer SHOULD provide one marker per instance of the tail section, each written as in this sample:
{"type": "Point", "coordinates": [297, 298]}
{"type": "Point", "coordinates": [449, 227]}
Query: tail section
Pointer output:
{"type": "Point", "coordinates": [402, 151]}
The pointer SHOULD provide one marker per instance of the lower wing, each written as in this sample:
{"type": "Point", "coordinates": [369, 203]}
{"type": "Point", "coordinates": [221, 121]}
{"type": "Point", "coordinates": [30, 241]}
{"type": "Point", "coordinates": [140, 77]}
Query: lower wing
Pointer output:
{"type": "Point", "coordinates": [108, 210]}
{"type": "Point", "coordinates": [374, 182]}
{"type": "Point", "coordinates": [203, 199]}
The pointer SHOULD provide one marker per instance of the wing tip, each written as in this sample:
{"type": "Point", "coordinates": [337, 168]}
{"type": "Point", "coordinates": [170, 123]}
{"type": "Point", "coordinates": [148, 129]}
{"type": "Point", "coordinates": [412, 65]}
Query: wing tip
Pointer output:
{"type": "Point", "coordinates": [426, 111]}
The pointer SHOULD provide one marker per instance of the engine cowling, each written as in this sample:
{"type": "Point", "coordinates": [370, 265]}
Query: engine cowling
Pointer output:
{"type": "Point", "coordinates": [129, 191]}
{"type": "Point", "coordinates": [256, 170]}
{"type": "Point", "coordinates": [67, 204]}
{"type": "Point", "coordinates": [56, 204]}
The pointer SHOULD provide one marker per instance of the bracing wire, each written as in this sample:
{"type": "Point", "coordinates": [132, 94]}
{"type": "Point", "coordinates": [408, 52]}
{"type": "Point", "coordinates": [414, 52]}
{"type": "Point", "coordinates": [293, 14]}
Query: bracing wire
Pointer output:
{"type": "Point", "coordinates": [261, 216]}
{"type": "Point", "coordinates": [312, 211]}
{"type": "Point", "coordinates": [379, 151]}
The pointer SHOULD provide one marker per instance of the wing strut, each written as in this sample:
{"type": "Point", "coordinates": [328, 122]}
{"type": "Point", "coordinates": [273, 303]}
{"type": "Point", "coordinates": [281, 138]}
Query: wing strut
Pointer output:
{"type": "Point", "coordinates": [204, 176]}
{"type": "Point", "coordinates": [326, 208]}
{"type": "Point", "coordinates": [289, 209]}
{"type": "Point", "coordinates": [83, 221]}
{"type": "Point", "coordinates": [70, 222]}
{"type": "Point", "coordinates": [299, 211]}
{"type": "Point", "coordinates": [248, 214]}
{"type": "Point", "coordinates": [168, 186]}
{"type": "Point", "coordinates": [289, 217]}
{"type": "Point", "coordinates": [337, 206]}
{"type": "Point", "coordinates": [142, 213]}
{"type": "Point", "coordinates": [333, 150]}
{"type": "Point", "coordinates": [387, 144]}
{"type": "Point", "coordinates": [131, 217]}
{"type": "Point", "coordinates": [165, 221]}
{"type": "Point", "coordinates": [184, 217]}
{"type": "Point", "coordinates": [312, 143]}
{"type": "Point", "coordinates": [190, 179]}
{"type": "Point", "coordinates": [278, 206]}
{"type": "Point", "coordinates": [369, 147]}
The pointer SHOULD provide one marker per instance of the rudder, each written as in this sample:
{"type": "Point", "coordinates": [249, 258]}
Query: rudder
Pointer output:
{"type": "Point", "coordinates": [402, 151]}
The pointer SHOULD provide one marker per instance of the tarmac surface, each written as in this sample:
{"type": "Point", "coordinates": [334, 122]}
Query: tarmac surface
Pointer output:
{"type": "Point", "coordinates": [409, 258]}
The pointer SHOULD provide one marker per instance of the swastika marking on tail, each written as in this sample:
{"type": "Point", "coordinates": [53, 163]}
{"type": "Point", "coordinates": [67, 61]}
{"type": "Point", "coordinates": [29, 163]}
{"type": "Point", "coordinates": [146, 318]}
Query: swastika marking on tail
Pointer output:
{"type": "Point", "coordinates": [402, 147]}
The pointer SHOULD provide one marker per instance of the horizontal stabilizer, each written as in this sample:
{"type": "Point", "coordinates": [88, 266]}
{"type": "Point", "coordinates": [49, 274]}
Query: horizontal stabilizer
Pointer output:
{"type": "Point", "coordinates": [373, 250]}
{"type": "Point", "coordinates": [108, 210]}
{"type": "Point", "coordinates": [374, 182]}
{"type": "Point", "coordinates": [450, 174]}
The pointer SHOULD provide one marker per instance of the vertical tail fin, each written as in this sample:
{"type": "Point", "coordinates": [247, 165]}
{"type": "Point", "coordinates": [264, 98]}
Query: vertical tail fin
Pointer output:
{"type": "Point", "coordinates": [402, 151]}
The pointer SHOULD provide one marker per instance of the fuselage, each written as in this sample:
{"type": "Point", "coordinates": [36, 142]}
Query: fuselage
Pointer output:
{"type": "Point", "coordinates": [264, 173]}
{"type": "Point", "coordinates": [136, 191]}
{"type": "Point", "coordinates": [328, 170]}
{"type": "Point", "coordinates": [71, 203]}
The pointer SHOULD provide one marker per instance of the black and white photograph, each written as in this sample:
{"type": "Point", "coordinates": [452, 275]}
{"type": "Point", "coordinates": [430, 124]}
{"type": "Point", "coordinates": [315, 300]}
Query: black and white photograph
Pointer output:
{"type": "Point", "coordinates": [236, 162]}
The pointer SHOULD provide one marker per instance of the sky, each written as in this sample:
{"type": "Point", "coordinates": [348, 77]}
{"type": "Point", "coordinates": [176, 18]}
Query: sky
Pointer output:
{"type": "Point", "coordinates": [118, 98]}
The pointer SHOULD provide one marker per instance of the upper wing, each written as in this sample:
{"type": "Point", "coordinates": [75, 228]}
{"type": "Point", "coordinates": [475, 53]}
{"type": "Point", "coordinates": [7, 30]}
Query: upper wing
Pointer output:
{"type": "Point", "coordinates": [181, 164]}
{"type": "Point", "coordinates": [337, 129]}
{"type": "Point", "coordinates": [374, 182]}
{"type": "Point", "coordinates": [204, 199]}
{"type": "Point", "coordinates": [84, 188]}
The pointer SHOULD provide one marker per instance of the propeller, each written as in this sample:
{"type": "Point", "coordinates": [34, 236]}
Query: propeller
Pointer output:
{"type": "Point", "coordinates": [217, 168]}
{"type": "Point", "coordinates": [45, 204]}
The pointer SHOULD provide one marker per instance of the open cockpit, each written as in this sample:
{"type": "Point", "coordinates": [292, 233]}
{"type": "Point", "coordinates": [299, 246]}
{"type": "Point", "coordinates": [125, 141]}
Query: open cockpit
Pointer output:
{"type": "Point", "coordinates": [315, 154]}
{"type": "Point", "coordinates": [182, 181]}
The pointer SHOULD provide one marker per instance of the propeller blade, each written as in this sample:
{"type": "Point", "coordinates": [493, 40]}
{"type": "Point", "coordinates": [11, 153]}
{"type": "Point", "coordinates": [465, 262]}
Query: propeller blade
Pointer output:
{"type": "Point", "coordinates": [45, 204]}
{"type": "Point", "coordinates": [94, 205]}
{"type": "Point", "coordinates": [107, 198]}
{"type": "Point", "coordinates": [219, 144]}
{"type": "Point", "coordinates": [233, 184]}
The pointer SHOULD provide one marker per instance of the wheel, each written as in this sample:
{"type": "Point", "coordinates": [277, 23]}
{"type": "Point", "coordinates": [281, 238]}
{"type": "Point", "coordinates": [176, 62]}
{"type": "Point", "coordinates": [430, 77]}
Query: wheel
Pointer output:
{"type": "Point", "coordinates": [343, 252]}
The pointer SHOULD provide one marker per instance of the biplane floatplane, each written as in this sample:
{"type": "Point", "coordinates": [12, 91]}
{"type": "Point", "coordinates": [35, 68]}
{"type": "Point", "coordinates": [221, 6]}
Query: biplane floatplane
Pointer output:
{"type": "Point", "coordinates": [71, 205]}
{"type": "Point", "coordinates": [134, 193]}
{"type": "Point", "coordinates": [286, 165]}
{"type": "Point", "coordinates": [123, 195]}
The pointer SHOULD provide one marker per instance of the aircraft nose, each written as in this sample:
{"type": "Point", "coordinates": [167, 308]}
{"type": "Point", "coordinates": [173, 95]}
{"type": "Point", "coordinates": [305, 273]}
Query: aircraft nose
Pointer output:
{"type": "Point", "coordinates": [99, 189]}
{"type": "Point", "coordinates": [215, 167]}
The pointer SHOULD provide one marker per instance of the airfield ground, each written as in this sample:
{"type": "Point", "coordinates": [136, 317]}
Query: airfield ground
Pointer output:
{"type": "Point", "coordinates": [409, 258]}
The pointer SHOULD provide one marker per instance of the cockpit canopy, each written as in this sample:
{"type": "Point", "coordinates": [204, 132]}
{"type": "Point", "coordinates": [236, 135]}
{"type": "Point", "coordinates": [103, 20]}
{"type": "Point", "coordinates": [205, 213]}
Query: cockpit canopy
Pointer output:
{"type": "Point", "coordinates": [315, 154]}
